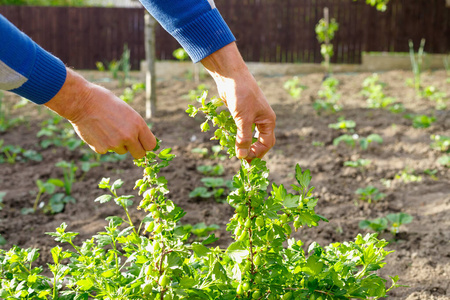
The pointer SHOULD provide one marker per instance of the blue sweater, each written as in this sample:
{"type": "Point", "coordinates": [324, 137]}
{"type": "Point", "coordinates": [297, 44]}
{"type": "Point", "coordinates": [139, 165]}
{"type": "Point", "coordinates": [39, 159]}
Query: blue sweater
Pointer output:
{"type": "Point", "coordinates": [31, 72]}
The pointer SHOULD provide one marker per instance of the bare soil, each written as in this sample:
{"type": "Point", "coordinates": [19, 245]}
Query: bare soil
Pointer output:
{"type": "Point", "coordinates": [422, 248]}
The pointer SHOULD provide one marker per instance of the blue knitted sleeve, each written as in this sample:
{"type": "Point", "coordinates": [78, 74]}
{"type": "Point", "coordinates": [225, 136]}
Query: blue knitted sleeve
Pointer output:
{"type": "Point", "coordinates": [25, 68]}
{"type": "Point", "coordinates": [196, 24]}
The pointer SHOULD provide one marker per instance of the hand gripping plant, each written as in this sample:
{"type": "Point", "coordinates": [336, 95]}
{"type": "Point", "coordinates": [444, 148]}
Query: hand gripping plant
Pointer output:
{"type": "Point", "coordinates": [155, 261]}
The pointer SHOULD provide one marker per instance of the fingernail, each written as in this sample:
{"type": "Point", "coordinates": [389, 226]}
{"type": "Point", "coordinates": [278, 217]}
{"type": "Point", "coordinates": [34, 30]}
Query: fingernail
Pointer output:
{"type": "Point", "coordinates": [241, 153]}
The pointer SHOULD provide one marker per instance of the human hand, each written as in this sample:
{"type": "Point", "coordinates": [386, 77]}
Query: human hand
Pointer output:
{"type": "Point", "coordinates": [245, 100]}
{"type": "Point", "coordinates": [101, 119]}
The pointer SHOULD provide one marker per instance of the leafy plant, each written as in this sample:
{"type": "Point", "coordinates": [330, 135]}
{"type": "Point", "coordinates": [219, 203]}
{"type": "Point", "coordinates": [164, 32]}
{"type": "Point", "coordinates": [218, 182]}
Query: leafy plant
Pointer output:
{"type": "Point", "coordinates": [407, 175]}
{"type": "Point", "coordinates": [444, 160]}
{"type": "Point", "coordinates": [180, 54]}
{"type": "Point", "coordinates": [392, 220]}
{"type": "Point", "coordinates": [380, 5]}
{"type": "Point", "coordinates": [440, 142]}
{"type": "Point", "coordinates": [213, 187]}
{"type": "Point", "coordinates": [373, 90]}
{"type": "Point", "coordinates": [328, 97]}
{"type": "Point", "coordinates": [12, 154]}
{"type": "Point", "coordinates": [364, 142]}
{"type": "Point", "coordinates": [423, 121]}
{"type": "Point", "coordinates": [130, 92]}
{"type": "Point", "coordinates": [215, 170]}
{"type": "Point", "coordinates": [433, 94]}
{"type": "Point", "coordinates": [325, 31]}
{"type": "Point", "coordinates": [360, 163]}
{"type": "Point", "coordinates": [57, 132]}
{"type": "Point", "coordinates": [369, 194]}
{"type": "Point", "coordinates": [194, 94]}
{"type": "Point", "coordinates": [43, 187]}
{"type": "Point", "coordinates": [346, 125]}
{"type": "Point", "coordinates": [201, 230]}
{"type": "Point", "coordinates": [416, 64]}
{"type": "Point", "coordinates": [294, 87]}
{"type": "Point", "coordinates": [152, 260]}
{"type": "Point", "coordinates": [6, 121]}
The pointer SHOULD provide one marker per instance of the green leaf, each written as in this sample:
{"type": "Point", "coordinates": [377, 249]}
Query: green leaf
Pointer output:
{"type": "Point", "coordinates": [85, 284]}
{"type": "Point", "coordinates": [200, 250]}
{"type": "Point", "coordinates": [104, 198]}
{"type": "Point", "coordinates": [237, 252]}
{"type": "Point", "coordinates": [313, 265]}
{"type": "Point", "coordinates": [291, 201]}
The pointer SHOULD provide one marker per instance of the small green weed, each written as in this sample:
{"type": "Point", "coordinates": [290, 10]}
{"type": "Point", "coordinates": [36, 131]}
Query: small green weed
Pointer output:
{"type": "Point", "coordinates": [294, 87]}
{"type": "Point", "coordinates": [394, 221]}
{"type": "Point", "coordinates": [328, 97]}
{"type": "Point", "coordinates": [423, 121]}
{"type": "Point", "coordinates": [345, 125]}
{"type": "Point", "coordinates": [364, 142]}
{"type": "Point", "coordinates": [370, 194]}
{"type": "Point", "coordinates": [12, 154]}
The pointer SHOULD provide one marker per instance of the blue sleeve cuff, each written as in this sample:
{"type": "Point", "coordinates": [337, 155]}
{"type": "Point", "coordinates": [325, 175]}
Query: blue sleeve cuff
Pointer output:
{"type": "Point", "coordinates": [46, 78]}
{"type": "Point", "coordinates": [204, 36]}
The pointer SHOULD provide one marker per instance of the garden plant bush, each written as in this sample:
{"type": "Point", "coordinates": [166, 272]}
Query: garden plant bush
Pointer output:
{"type": "Point", "coordinates": [153, 259]}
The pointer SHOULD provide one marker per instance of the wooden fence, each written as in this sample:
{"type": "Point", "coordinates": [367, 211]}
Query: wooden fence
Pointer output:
{"type": "Point", "coordinates": [266, 30]}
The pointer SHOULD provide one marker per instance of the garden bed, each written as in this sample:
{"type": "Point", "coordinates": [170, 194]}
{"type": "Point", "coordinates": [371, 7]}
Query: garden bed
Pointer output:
{"type": "Point", "coordinates": [421, 257]}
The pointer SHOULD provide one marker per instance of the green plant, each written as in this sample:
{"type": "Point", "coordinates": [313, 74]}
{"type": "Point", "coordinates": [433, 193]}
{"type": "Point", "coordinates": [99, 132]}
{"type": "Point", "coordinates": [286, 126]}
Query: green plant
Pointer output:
{"type": "Point", "coordinates": [12, 154]}
{"type": "Point", "coordinates": [294, 87]}
{"type": "Point", "coordinates": [152, 260]}
{"type": "Point", "coordinates": [380, 5]}
{"type": "Point", "coordinates": [440, 143]}
{"type": "Point", "coordinates": [325, 31]}
{"type": "Point", "coordinates": [6, 121]}
{"type": "Point", "coordinates": [392, 220]}
{"type": "Point", "coordinates": [364, 142]}
{"type": "Point", "coordinates": [444, 161]}
{"type": "Point", "coordinates": [194, 94]}
{"type": "Point", "coordinates": [433, 94]}
{"type": "Point", "coordinates": [373, 90]}
{"type": "Point", "coordinates": [346, 125]}
{"type": "Point", "coordinates": [360, 163]}
{"type": "Point", "coordinates": [201, 230]}
{"type": "Point", "coordinates": [422, 121]}
{"type": "Point", "coordinates": [407, 175]}
{"type": "Point", "coordinates": [213, 187]}
{"type": "Point", "coordinates": [328, 97]}
{"type": "Point", "coordinates": [215, 170]}
{"type": "Point", "coordinates": [43, 187]}
{"type": "Point", "coordinates": [57, 132]}
{"type": "Point", "coordinates": [369, 194]}
{"type": "Point", "coordinates": [416, 64]}
{"type": "Point", "coordinates": [180, 54]}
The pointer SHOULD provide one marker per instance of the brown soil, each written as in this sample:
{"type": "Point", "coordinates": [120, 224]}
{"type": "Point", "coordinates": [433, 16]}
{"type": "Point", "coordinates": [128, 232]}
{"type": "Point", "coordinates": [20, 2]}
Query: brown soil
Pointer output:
{"type": "Point", "coordinates": [422, 248]}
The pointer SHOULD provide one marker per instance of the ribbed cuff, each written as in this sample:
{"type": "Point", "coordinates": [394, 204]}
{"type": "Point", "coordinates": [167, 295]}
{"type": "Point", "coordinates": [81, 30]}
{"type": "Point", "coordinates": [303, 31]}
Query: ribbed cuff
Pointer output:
{"type": "Point", "coordinates": [204, 36]}
{"type": "Point", "coordinates": [46, 79]}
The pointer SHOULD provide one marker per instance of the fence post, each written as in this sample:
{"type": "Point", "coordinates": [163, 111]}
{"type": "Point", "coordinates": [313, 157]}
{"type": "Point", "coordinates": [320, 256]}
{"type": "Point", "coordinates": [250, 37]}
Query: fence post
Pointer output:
{"type": "Point", "coordinates": [150, 76]}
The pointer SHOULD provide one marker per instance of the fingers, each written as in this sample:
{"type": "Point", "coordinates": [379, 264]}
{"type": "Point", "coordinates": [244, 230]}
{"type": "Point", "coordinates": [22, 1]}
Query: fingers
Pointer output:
{"type": "Point", "coordinates": [266, 140]}
{"type": "Point", "coordinates": [243, 138]}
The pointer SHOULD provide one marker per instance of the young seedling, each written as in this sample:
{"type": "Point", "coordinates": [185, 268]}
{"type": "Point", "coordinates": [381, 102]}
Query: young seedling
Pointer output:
{"type": "Point", "coordinates": [407, 175]}
{"type": "Point", "coordinates": [423, 121]}
{"type": "Point", "coordinates": [369, 194]}
{"type": "Point", "coordinates": [440, 143]}
{"type": "Point", "coordinates": [433, 94]}
{"type": "Point", "coordinates": [344, 125]}
{"type": "Point", "coordinates": [215, 170]}
{"type": "Point", "coordinates": [294, 87]}
{"type": "Point", "coordinates": [12, 154]}
{"type": "Point", "coordinates": [360, 163]}
{"type": "Point", "coordinates": [364, 142]}
{"type": "Point", "coordinates": [417, 65]}
{"type": "Point", "coordinates": [373, 90]}
{"type": "Point", "coordinates": [328, 97]}
{"type": "Point", "coordinates": [394, 221]}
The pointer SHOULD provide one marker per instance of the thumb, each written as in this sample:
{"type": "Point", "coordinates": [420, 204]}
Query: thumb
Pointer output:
{"type": "Point", "coordinates": [243, 138]}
